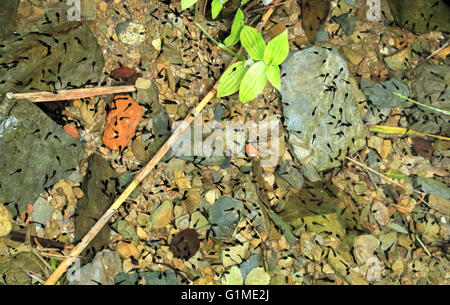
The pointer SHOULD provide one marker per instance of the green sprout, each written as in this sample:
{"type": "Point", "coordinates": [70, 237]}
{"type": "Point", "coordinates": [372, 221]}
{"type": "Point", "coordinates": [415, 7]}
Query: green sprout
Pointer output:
{"type": "Point", "coordinates": [216, 5]}
{"type": "Point", "coordinates": [250, 77]}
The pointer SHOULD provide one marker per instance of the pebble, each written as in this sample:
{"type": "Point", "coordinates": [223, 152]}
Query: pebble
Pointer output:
{"type": "Point", "coordinates": [143, 83]}
{"type": "Point", "coordinates": [5, 221]}
{"type": "Point", "coordinates": [162, 215]}
{"type": "Point", "coordinates": [127, 250]}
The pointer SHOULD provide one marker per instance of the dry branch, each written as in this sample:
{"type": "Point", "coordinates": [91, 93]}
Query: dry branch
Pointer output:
{"type": "Point", "coordinates": [73, 94]}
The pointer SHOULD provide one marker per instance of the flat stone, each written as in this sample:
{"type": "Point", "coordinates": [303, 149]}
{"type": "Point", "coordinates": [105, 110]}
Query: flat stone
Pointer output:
{"type": "Point", "coordinates": [26, 133]}
{"type": "Point", "coordinates": [5, 221]}
{"type": "Point", "coordinates": [42, 211]}
{"type": "Point", "coordinates": [314, 117]}
{"type": "Point", "coordinates": [162, 215]}
{"type": "Point", "coordinates": [103, 269]}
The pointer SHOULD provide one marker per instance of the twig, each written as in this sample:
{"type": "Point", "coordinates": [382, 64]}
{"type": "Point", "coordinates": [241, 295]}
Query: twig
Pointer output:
{"type": "Point", "coordinates": [73, 94]}
{"type": "Point", "coordinates": [219, 44]}
{"type": "Point", "coordinates": [54, 277]}
{"type": "Point", "coordinates": [423, 105]}
{"type": "Point", "coordinates": [46, 243]}
{"type": "Point", "coordinates": [380, 174]}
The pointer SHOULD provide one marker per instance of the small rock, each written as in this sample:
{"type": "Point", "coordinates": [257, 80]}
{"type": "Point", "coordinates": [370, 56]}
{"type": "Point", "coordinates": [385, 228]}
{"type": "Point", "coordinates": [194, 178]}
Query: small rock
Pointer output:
{"type": "Point", "coordinates": [127, 250]}
{"type": "Point", "coordinates": [225, 214]}
{"type": "Point", "coordinates": [364, 248]}
{"type": "Point", "coordinates": [387, 240]}
{"type": "Point", "coordinates": [42, 211]}
{"type": "Point", "coordinates": [162, 215]}
{"type": "Point", "coordinates": [399, 61]}
{"type": "Point", "coordinates": [322, 36]}
{"type": "Point", "coordinates": [143, 83]}
{"type": "Point", "coordinates": [103, 269]}
{"type": "Point", "coordinates": [185, 244]}
{"type": "Point", "coordinates": [131, 32]}
{"type": "Point", "coordinates": [5, 221]}
{"type": "Point", "coordinates": [257, 277]}
{"type": "Point", "coordinates": [382, 94]}
{"type": "Point", "coordinates": [422, 147]}
{"type": "Point", "coordinates": [121, 122]}
{"type": "Point", "coordinates": [398, 267]}
{"type": "Point", "coordinates": [156, 43]}
{"type": "Point", "coordinates": [381, 213]}
{"type": "Point", "coordinates": [354, 57]}
{"type": "Point", "coordinates": [234, 276]}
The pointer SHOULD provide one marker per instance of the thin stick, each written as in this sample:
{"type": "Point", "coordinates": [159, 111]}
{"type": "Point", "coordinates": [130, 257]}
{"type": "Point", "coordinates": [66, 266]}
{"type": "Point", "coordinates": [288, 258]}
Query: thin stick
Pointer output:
{"type": "Point", "coordinates": [73, 94]}
{"type": "Point", "coordinates": [380, 174]}
{"type": "Point", "coordinates": [73, 256]}
{"type": "Point", "coordinates": [219, 44]}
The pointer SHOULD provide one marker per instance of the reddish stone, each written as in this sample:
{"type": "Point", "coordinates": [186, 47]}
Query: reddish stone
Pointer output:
{"type": "Point", "coordinates": [123, 74]}
{"type": "Point", "coordinates": [422, 147]}
{"type": "Point", "coordinates": [72, 130]}
{"type": "Point", "coordinates": [121, 122]}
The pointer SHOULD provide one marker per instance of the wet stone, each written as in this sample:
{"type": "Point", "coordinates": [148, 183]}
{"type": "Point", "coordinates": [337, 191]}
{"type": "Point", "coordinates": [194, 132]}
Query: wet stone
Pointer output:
{"type": "Point", "coordinates": [37, 62]}
{"type": "Point", "coordinates": [225, 215]}
{"type": "Point", "coordinates": [99, 187]}
{"type": "Point", "coordinates": [26, 133]}
{"type": "Point", "coordinates": [8, 15]}
{"type": "Point", "coordinates": [431, 87]}
{"type": "Point", "coordinates": [131, 32]}
{"type": "Point", "coordinates": [103, 269]}
{"type": "Point", "coordinates": [410, 15]}
{"type": "Point", "coordinates": [382, 94]}
{"type": "Point", "coordinates": [317, 113]}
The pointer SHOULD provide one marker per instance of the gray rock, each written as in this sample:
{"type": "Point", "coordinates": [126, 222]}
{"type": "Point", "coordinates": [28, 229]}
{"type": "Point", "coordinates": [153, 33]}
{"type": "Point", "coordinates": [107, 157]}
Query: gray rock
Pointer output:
{"type": "Point", "coordinates": [151, 278]}
{"type": "Point", "coordinates": [347, 22]}
{"type": "Point", "coordinates": [322, 36]}
{"type": "Point", "coordinates": [431, 87]}
{"type": "Point", "coordinates": [99, 187]}
{"type": "Point", "coordinates": [69, 53]}
{"type": "Point", "coordinates": [410, 15]}
{"type": "Point", "coordinates": [8, 15]}
{"type": "Point", "coordinates": [225, 215]}
{"type": "Point", "coordinates": [250, 264]}
{"type": "Point", "coordinates": [103, 269]}
{"type": "Point", "coordinates": [323, 125]}
{"type": "Point", "coordinates": [28, 135]}
{"type": "Point", "coordinates": [434, 187]}
{"type": "Point", "coordinates": [289, 172]}
{"type": "Point", "coordinates": [42, 211]}
{"type": "Point", "coordinates": [131, 32]}
{"type": "Point", "coordinates": [382, 94]}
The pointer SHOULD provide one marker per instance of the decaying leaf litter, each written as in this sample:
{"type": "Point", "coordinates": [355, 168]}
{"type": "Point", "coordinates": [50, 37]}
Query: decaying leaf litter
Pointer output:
{"type": "Point", "coordinates": [369, 208]}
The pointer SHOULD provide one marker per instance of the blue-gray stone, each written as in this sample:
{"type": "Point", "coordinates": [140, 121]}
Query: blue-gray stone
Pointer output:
{"type": "Point", "coordinates": [434, 187]}
{"type": "Point", "coordinates": [382, 94]}
{"type": "Point", "coordinates": [250, 264]}
{"type": "Point", "coordinates": [225, 215]}
{"type": "Point", "coordinates": [322, 36]}
{"type": "Point", "coordinates": [320, 108]}
{"type": "Point", "coordinates": [42, 211]}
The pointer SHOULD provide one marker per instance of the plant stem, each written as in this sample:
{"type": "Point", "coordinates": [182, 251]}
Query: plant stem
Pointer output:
{"type": "Point", "coordinates": [219, 44]}
{"type": "Point", "coordinates": [423, 105]}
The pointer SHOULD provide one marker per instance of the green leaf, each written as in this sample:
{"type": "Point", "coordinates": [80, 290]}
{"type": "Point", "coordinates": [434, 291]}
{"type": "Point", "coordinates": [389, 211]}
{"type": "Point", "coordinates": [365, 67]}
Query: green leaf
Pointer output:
{"type": "Point", "coordinates": [231, 79]}
{"type": "Point", "coordinates": [392, 173]}
{"type": "Point", "coordinates": [236, 28]}
{"type": "Point", "coordinates": [244, 2]}
{"type": "Point", "coordinates": [277, 49]}
{"type": "Point", "coordinates": [253, 42]}
{"type": "Point", "coordinates": [216, 7]}
{"type": "Point", "coordinates": [187, 4]}
{"type": "Point", "coordinates": [253, 82]}
{"type": "Point", "coordinates": [273, 75]}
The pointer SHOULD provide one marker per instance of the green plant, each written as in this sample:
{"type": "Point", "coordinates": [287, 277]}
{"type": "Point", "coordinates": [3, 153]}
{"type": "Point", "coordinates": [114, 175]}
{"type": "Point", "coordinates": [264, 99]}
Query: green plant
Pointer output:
{"type": "Point", "coordinates": [216, 5]}
{"type": "Point", "coordinates": [250, 77]}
